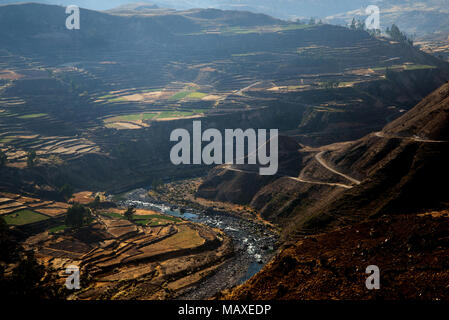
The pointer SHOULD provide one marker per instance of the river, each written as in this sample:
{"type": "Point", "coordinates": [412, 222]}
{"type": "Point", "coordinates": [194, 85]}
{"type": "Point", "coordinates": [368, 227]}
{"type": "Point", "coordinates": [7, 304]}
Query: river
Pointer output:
{"type": "Point", "coordinates": [254, 243]}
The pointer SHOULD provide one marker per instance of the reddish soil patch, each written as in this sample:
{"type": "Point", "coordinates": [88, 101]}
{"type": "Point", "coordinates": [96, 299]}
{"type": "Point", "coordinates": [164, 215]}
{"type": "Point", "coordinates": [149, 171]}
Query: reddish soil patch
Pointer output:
{"type": "Point", "coordinates": [84, 197]}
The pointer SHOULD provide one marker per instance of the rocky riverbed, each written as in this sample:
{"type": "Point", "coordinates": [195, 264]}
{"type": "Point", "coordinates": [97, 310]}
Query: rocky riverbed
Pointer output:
{"type": "Point", "coordinates": [254, 243]}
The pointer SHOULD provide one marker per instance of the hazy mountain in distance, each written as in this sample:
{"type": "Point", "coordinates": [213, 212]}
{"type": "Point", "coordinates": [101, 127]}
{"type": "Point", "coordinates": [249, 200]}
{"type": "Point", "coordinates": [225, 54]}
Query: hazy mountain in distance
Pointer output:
{"type": "Point", "coordinates": [285, 9]}
{"type": "Point", "coordinates": [88, 4]}
{"type": "Point", "coordinates": [340, 11]}
{"type": "Point", "coordinates": [420, 17]}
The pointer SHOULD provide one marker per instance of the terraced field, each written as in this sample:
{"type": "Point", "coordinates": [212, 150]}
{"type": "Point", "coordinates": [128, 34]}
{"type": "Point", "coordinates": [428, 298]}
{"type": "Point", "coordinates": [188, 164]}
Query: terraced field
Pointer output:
{"type": "Point", "coordinates": [154, 256]}
{"type": "Point", "coordinates": [438, 47]}
{"type": "Point", "coordinates": [110, 91]}
{"type": "Point", "coordinates": [125, 260]}
{"type": "Point", "coordinates": [23, 217]}
{"type": "Point", "coordinates": [21, 210]}
{"type": "Point", "coordinates": [142, 120]}
{"type": "Point", "coordinates": [107, 107]}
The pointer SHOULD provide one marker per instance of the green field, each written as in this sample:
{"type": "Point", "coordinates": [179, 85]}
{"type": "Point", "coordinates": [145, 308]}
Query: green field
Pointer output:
{"type": "Point", "coordinates": [347, 83]}
{"type": "Point", "coordinates": [7, 139]}
{"type": "Point", "coordinates": [144, 220]}
{"type": "Point", "coordinates": [240, 30]}
{"type": "Point", "coordinates": [57, 229]}
{"type": "Point", "coordinates": [188, 94]}
{"type": "Point", "coordinates": [405, 67]}
{"type": "Point", "coordinates": [112, 215]}
{"type": "Point", "coordinates": [112, 98]}
{"type": "Point", "coordinates": [160, 216]}
{"type": "Point", "coordinates": [296, 87]}
{"type": "Point", "coordinates": [199, 111]}
{"type": "Point", "coordinates": [174, 114]}
{"type": "Point", "coordinates": [196, 95]}
{"type": "Point", "coordinates": [7, 114]}
{"type": "Point", "coordinates": [24, 217]}
{"type": "Point", "coordinates": [179, 95]}
{"type": "Point", "coordinates": [295, 27]}
{"type": "Point", "coordinates": [418, 67]}
{"type": "Point", "coordinates": [154, 220]}
{"type": "Point", "coordinates": [154, 116]}
{"type": "Point", "coordinates": [264, 29]}
{"type": "Point", "coordinates": [132, 117]}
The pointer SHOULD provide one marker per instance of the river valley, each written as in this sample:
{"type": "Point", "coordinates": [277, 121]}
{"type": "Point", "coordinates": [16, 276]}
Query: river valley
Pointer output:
{"type": "Point", "coordinates": [254, 243]}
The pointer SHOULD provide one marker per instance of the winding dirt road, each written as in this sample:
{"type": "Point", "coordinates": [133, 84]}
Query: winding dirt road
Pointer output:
{"type": "Point", "coordinates": [321, 161]}
{"type": "Point", "coordinates": [341, 185]}
{"type": "Point", "coordinates": [381, 134]}
{"type": "Point", "coordinates": [228, 166]}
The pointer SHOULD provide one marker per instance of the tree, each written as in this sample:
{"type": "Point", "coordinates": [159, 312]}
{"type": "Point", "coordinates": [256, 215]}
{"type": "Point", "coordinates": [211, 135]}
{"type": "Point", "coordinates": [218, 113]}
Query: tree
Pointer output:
{"type": "Point", "coordinates": [3, 159]}
{"type": "Point", "coordinates": [130, 212]}
{"type": "Point", "coordinates": [8, 247]}
{"type": "Point", "coordinates": [96, 203]}
{"type": "Point", "coordinates": [66, 191]}
{"type": "Point", "coordinates": [389, 74]}
{"type": "Point", "coordinates": [77, 216]}
{"type": "Point", "coordinates": [331, 84]}
{"type": "Point", "coordinates": [397, 35]}
{"type": "Point", "coordinates": [312, 21]}
{"type": "Point", "coordinates": [27, 278]}
{"type": "Point", "coordinates": [353, 24]}
{"type": "Point", "coordinates": [361, 25]}
{"type": "Point", "coordinates": [28, 272]}
{"type": "Point", "coordinates": [31, 158]}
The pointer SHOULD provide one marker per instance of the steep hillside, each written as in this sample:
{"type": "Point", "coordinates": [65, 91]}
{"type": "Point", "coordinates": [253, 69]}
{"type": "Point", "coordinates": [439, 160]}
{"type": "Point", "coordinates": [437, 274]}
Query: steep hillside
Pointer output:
{"type": "Point", "coordinates": [402, 168]}
{"type": "Point", "coordinates": [427, 121]}
{"type": "Point", "coordinates": [410, 251]}
{"type": "Point", "coordinates": [239, 183]}
{"type": "Point", "coordinates": [398, 170]}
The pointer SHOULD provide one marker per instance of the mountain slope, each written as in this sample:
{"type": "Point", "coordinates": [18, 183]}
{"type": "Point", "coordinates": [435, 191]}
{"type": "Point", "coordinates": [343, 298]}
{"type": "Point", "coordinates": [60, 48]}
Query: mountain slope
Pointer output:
{"type": "Point", "coordinates": [428, 120]}
{"type": "Point", "coordinates": [410, 251]}
{"type": "Point", "coordinates": [401, 170]}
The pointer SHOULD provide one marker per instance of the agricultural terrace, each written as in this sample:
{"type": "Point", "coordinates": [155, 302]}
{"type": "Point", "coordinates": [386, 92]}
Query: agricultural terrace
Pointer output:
{"type": "Point", "coordinates": [21, 210]}
{"type": "Point", "coordinates": [134, 259]}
